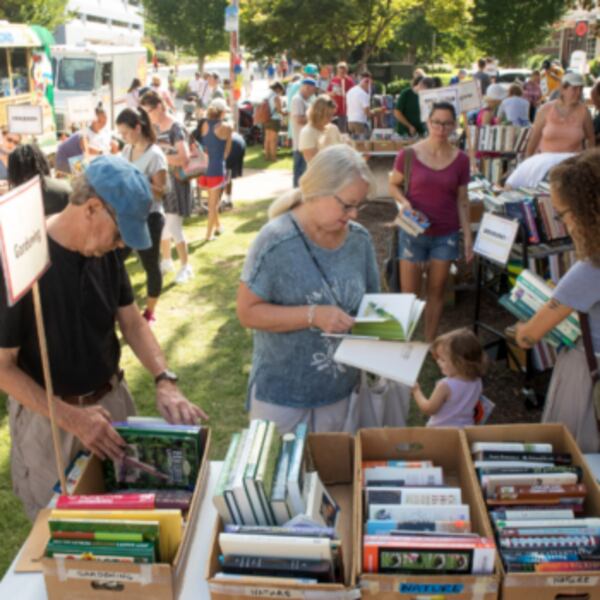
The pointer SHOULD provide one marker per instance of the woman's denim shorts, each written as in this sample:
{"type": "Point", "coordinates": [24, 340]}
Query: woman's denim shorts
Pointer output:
{"type": "Point", "coordinates": [423, 248]}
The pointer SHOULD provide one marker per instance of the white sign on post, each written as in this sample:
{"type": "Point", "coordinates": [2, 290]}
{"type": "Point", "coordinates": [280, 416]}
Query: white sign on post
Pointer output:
{"type": "Point", "coordinates": [495, 238]}
{"type": "Point", "coordinates": [25, 119]}
{"type": "Point", "coordinates": [23, 241]}
{"type": "Point", "coordinates": [427, 98]}
{"type": "Point", "coordinates": [469, 96]}
{"type": "Point", "coordinates": [231, 19]}
{"type": "Point", "coordinates": [80, 110]}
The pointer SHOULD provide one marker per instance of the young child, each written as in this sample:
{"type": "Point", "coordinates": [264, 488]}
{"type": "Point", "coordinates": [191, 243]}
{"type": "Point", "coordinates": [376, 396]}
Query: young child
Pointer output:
{"type": "Point", "coordinates": [462, 360]}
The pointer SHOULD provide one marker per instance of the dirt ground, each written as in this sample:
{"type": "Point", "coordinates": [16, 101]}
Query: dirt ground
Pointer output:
{"type": "Point", "coordinates": [502, 385]}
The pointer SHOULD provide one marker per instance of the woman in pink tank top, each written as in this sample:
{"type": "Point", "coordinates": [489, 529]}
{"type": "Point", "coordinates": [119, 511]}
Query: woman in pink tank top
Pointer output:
{"type": "Point", "coordinates": [565, 124]}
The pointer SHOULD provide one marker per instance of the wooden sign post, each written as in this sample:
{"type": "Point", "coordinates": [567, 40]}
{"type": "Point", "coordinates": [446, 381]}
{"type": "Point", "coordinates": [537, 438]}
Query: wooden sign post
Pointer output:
{"type": "Point", "coordinates": [25, 258]}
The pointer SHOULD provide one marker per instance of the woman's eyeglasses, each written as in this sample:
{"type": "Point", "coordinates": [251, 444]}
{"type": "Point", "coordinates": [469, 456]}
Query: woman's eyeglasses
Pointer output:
{"type": "Point", "coordinates": [348, 208]}
{"type": "Point", "coordinates": [444, 124]}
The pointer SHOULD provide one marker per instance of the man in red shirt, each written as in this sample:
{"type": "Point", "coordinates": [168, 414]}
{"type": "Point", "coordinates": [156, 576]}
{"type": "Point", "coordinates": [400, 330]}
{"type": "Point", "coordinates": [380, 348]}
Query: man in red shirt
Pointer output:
{"type": "Point", "coordinates": [338, 88]}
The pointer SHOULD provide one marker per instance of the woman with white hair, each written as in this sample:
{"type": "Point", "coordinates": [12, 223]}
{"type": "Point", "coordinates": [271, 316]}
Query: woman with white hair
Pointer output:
{"type": "Point", "coordinates": [494, 95]}
{"type": "Point", "coordinates": [305, 276]}
{"type": "Point", "coordinates": [564, 124]}
{"type": "Point", "coordinates": [215, 136]}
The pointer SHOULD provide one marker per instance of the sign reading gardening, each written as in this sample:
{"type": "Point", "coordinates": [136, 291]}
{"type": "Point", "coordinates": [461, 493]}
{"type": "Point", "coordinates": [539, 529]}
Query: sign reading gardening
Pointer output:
{"type": "Point", "coordinates": [23, 241]}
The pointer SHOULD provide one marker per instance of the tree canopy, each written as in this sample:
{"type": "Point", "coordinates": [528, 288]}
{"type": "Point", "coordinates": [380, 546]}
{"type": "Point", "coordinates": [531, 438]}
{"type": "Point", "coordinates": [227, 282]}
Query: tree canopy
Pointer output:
{"type": "Point", "coordinates": [197, 26]}
{"type": "Point", "coordinates": [508, 29]}
{"type": "Point", "coordinates": [47, 13]}
{"type": "Point", "coordinates": [328, 30]}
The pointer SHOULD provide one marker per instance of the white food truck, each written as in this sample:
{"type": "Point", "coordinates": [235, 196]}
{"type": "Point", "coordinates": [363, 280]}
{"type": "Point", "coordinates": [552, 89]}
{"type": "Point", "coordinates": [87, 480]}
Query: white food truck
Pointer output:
{"type": "Point", "coordinates": [90, 74]}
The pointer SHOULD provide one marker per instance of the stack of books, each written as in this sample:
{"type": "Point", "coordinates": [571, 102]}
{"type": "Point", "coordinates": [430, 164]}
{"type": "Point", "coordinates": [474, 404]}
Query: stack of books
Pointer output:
{"type": "Point", "coordinates": [413, 222]}
{"type": "Point", "coordinates": [145, 535]}
{"type": "Point", "coordinates": [536, 498]}
{"type": "Point", "coordinates": [279, 519]}
{"type": "Point", "coordinates": [528, 295]}
{"type": "Point", "coordinates": [415, 525]}
{"type": "Point", "coordinates": [158, 456]}
{"type": "Point", "coordinates": [140, 519]}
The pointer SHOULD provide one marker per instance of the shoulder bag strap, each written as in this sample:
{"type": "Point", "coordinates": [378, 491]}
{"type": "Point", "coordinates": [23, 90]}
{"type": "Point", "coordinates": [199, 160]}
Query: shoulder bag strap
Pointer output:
{"type": "Point", "coordinates": [324, 277]}
{"type": "Point", "coordinates": [590, 356]}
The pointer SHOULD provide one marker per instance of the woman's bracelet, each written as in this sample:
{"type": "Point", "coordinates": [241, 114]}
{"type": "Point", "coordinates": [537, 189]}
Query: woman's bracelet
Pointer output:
{"type": "Point", "coordinates": [311, 314]}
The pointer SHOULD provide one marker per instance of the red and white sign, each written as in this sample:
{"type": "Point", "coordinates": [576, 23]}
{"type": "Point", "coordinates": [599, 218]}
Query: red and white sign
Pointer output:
{"type": "Point", "coordinates": [23, 240]}
{"type": "Point", "coordinates": [581, 28]}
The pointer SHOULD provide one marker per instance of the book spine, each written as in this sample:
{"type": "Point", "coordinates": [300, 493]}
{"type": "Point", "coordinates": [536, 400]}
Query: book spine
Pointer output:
{"type": "Point", "coordinates": [237, 488]}
{"type": "Point", "coordinates": [107, 502]}
{"type": "Point", "coordinates": [278, 498]}
{"type": "Point", "coordinates": [249, 483]}
{"type": "Point", "coordinates": [296, 472]}
{"type": "Point", "coordinates": [219, 500]}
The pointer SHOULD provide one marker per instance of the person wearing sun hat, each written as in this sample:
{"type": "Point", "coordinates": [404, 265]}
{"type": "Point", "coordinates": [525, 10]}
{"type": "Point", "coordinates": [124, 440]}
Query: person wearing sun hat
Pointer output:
{"type": "Point", "coordinates": [564, 124]}
{"type": "Point", "coordinates": [494, 95]}
{"type": "Point", "coordinates": [85, 292]}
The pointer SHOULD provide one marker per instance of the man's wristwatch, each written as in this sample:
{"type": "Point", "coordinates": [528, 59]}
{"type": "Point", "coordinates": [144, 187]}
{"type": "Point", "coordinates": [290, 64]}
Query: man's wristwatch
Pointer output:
{"type": "Point", "coordinates": [166, 375]}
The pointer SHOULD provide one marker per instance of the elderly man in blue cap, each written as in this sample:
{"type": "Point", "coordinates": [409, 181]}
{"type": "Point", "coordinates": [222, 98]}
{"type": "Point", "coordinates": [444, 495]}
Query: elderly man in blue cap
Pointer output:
{"type": "Point", "coordinates": [298, 117]}
{"type": "Point", "coordinates": [84, 293]}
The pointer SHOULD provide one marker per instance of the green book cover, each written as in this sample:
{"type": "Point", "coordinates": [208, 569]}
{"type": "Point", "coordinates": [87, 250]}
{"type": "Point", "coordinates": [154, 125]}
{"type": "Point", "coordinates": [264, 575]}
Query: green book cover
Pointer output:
{"type": "Point", "coordinates": [141, 552]}
{"type": "Point", "coordinates": [266, 467]}
{"type": "Point", "coordinates": [391, 317]}
{"type": "Point", "coordinates": [157, 457]}
{"type": "Point", "coordinates": [249, 484]}
{"type": "Point", "coordinates": [219, 499]}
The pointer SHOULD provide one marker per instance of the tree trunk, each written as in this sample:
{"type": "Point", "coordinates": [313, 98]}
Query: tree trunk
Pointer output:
{"type": "Point", "coordinates": [201, 59]}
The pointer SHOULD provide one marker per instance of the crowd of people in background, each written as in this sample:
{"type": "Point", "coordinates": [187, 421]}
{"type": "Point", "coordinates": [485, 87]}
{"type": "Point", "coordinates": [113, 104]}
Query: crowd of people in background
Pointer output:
{"type": "Point", "coordinates": [324, 112]}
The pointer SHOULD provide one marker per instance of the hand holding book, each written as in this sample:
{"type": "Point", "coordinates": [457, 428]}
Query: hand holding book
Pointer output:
{"type": "Point", "coordinates": [331, 319]}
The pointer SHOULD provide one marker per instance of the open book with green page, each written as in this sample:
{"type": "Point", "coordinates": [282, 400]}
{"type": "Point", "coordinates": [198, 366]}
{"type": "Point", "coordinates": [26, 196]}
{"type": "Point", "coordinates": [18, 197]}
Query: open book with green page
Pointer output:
{"type": "Point", "coordinates": [391, 317]}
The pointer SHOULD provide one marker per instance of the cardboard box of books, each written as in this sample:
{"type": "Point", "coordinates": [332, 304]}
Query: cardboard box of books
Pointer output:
{"type": "Point", "coordinates": [363, 145]}
{"type": "Point", "coordinates": [261, 552]}
{"type": "Point", "coordinates": [421, 526]}
{"type": "Point", "coordinates": [131, 541]}
{"type": "Point", "coordinates": [544, 505]}
{"type": "Point", "coordinates": [384, 146]}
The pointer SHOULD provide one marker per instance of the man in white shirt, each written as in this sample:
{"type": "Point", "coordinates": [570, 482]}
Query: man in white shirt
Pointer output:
{"type": "Point", "coordinates": [197, 84]}
{"type": "Point", "coordinates": [98, 135]}
{"type": "Point", "coordinates": [298, 112]}
{"type": "Point", "coordinates": [358, 102]}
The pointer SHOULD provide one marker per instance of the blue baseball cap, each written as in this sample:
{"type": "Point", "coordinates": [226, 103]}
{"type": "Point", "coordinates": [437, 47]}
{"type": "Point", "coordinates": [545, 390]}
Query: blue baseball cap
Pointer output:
{"type": "Point", "coordinates": [126, 189]}
{"type": "Point", "coordinates": [309, 81]}
{"type": "Point", "coordinates": [311, 69]}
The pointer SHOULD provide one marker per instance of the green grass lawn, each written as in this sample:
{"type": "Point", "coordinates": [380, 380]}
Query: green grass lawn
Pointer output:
{"type": "Point", "coordinates": [199, 332]}
{"type": "Point", "coordinates": [203, 341]}
{"type": "Point", "coordinates": [255, 159]}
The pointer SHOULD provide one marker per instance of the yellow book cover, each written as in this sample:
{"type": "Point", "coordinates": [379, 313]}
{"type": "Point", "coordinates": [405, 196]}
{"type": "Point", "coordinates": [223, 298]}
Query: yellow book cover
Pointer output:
{"type": "Point", "coordinates": [171, 524]}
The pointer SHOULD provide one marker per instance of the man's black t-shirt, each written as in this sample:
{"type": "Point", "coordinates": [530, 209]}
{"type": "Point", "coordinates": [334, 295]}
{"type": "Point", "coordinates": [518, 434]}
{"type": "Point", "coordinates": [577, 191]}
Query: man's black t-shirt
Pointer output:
{"type": "Point", "coordinates": [80, 298]}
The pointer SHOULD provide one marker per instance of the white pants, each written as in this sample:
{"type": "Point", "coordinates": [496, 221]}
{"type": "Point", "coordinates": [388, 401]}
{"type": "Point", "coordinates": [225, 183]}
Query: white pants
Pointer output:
{"type": "Point", "coordinates": [173, 229]}
{"type": "Point", "coordinates": [331, 417]}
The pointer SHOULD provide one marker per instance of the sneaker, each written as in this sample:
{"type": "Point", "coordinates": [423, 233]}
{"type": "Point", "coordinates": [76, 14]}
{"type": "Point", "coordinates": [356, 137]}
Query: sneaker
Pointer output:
{"type": "Point", "coordinates": [184, 275]}
{"type": "Point", "coordinates": [219, 230]}
{"type": "Point", "coordinates": [166, 266]}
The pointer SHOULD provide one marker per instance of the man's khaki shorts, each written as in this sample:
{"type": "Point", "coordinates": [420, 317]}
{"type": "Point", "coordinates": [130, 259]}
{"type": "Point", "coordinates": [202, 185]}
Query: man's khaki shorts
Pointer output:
{"type": "Point", "coordinates": [32, 462]}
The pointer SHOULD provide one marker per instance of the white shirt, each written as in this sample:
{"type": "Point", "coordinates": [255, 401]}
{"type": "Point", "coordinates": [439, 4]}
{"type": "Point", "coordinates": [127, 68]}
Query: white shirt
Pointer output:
{"type": "Point", "coordinates": [533, 170]}
{"type": "Point", "coordinates": [299, 107]}
{"type": "Point", "coordinates": [357, 100]}
{"type": "Point", "coordinates": [99, 140]}
{"type": "Point", "coordinates": [195, 85]}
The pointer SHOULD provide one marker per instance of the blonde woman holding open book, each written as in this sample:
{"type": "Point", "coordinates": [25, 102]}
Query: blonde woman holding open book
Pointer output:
{"type": "Point", "coordinates": [305, 275]}
{"type": "Point", "coordinates": [575, 193]}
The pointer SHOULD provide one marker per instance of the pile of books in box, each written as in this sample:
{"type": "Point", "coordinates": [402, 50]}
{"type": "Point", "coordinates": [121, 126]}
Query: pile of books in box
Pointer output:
{"type": "Point", "coordinates": [279, 519]}
{"type": "Point", "coordinates": [535, 498]}
{"type": "Point", "coordinates": [140, 518]}
{"type": "Point", "coordinates": [528, 295]}
{"type": "Point", "coordinates": [417, 525]}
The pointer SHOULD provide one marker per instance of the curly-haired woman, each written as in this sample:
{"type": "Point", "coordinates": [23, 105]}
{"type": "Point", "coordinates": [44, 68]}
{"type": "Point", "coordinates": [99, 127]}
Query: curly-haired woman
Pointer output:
{"type": "Point", "coordinates": [575, 192]}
